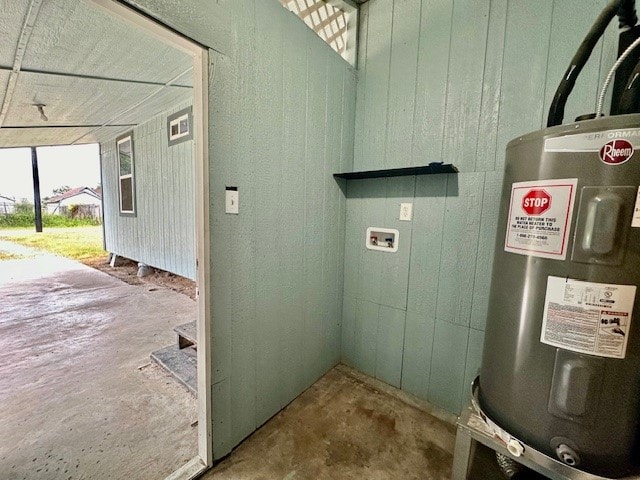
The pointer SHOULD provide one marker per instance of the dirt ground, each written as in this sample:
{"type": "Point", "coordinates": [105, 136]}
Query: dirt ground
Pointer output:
{"type": "Point", "coordinates": [128, 273]}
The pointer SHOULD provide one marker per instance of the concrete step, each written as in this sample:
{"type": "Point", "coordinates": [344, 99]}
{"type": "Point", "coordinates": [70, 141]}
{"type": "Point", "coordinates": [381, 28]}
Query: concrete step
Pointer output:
{"type": "Point", "coordinates": [179, 362]}
{"type": "Point", "coordinates": [187, 335]}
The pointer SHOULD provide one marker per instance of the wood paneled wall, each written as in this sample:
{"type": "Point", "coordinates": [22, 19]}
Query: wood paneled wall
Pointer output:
{"type": "Point", "coordinates": [451, 81]}
{"type": "Point", "coordinates": [283, 110]}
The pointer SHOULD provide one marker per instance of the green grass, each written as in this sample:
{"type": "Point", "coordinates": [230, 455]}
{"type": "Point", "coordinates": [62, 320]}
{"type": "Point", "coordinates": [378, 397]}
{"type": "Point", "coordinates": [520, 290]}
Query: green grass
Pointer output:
{"type": "Point", "coordinates": [78, 243]}
{"type": "Point", "coordinates": [26, 220]}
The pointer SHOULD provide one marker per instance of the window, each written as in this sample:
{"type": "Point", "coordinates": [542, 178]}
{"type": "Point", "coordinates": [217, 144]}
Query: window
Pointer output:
{"type": "Point", "coordinates": [124, 148]}
{"type": "Point", "coordinates": [335, 21]}
{"type": "Point", "coordinates": [179, 127]}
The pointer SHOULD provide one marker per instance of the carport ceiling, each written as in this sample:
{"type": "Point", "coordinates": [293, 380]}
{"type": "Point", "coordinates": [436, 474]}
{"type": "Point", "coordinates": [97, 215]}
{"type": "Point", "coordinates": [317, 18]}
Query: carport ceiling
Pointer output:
{"type": "Point", "coordinates": [96, 75]}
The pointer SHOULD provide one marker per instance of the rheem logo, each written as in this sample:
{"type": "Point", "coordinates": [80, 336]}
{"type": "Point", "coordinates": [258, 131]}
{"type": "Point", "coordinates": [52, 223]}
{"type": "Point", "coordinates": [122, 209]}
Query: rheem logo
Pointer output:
{"type": "Point", "coordinates": [536, 202]}
{"type": "Point", "coordinates": [616, 152]}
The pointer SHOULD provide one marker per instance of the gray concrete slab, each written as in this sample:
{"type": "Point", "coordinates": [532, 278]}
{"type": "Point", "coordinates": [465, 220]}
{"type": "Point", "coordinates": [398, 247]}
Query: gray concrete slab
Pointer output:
{"type": "Point", "coordinates": [343, 428]}
{"type": "Point", "coordinates": [74, 402]}
{"type": "Point", "coordinates": [350, 427]}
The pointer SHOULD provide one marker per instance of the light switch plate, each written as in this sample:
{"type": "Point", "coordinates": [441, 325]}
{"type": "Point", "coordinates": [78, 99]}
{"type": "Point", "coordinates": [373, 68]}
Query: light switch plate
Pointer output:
{"type": "Point", "coordinates": [406, 212]}
{"type": "Point", "coordinates": [232, 199]}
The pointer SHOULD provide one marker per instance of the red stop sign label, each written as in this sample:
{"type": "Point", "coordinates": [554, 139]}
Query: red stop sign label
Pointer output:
{"type": "Point", "coordinates": [536, 202]}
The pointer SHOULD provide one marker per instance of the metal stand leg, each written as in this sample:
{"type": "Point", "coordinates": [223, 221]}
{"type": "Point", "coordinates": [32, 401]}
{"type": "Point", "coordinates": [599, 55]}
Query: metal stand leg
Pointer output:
{"type": "Point", "coordinates": [462, 455]}
{"type": "Point", "coordinates": [473, 430]}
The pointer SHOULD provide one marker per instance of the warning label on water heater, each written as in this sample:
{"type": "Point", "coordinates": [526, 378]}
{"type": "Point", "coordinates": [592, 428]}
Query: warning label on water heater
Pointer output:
{"type": "Point", "coordinates": [540, 218]}
{"type": "Point", "coordinates": [585, 317]}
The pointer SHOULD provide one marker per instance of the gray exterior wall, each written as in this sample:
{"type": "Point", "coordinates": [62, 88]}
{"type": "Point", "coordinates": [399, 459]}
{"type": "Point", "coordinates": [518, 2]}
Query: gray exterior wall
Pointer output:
{"type": "Point", "coordinates": [282, 109]}
{"type": "Point", "coordinates": [162, 233]}
{"type": "Point", "coordinates": [453, 82]}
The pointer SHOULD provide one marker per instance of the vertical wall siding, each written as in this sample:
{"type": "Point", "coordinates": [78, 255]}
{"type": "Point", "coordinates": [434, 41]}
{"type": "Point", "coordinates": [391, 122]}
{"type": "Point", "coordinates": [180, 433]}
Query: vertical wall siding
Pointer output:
{"type": "Point", "coordinates": [283, 108]}
{"type": "Point", "coordinates": [162, 234]}
{"type": "Point", "coordinates": [453, 82]}
{"type": "Point", "coordinates": [296, 99]}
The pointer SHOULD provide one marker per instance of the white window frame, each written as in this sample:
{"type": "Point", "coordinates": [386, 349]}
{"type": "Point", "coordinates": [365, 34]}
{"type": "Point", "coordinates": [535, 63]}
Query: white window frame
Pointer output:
{"type": "Point", "coordinates": [126, 138]}
{"type": "Point", "coordinates": [175, 122]}
{"type": "Point", "coordinates": [175, 119]}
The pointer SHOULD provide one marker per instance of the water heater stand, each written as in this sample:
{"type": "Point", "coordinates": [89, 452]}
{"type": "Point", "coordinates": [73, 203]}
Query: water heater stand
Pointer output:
{"type": "Point", "coordinates": [472, 427]}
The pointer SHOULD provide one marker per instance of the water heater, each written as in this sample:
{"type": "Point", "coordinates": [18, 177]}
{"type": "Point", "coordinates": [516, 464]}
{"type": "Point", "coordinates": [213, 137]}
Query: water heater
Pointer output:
{"type": "Point", "coordinates": [561, 362]}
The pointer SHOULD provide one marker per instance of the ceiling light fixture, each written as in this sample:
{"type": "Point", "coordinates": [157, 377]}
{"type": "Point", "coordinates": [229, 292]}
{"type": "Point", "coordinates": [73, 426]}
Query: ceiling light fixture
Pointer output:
{"type": "Point", "coordinates": [40, 107]}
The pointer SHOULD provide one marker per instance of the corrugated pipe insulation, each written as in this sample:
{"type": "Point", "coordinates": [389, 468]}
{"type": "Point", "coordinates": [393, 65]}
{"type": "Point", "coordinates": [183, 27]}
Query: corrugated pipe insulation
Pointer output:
{"type": "Point", "coordinates": [513, 470]}
{"type": "Point", "coordinates": [510, 468]}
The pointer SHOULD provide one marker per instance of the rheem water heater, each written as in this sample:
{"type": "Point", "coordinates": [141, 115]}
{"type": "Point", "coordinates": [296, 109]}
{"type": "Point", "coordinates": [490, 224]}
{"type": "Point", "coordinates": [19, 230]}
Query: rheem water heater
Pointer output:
{"type": "Point", "coordinates": [561, 363]}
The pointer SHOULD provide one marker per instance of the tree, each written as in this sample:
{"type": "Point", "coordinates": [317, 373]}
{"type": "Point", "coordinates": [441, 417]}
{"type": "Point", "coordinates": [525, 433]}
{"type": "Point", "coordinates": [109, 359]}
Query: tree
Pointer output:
{"type": "Point", "coordinates": [61, 190]}
{"type": "Point", "coordinates": [24, 207]}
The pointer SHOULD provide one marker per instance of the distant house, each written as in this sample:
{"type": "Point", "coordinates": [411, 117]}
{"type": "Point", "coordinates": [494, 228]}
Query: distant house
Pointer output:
{"type": "Point", "coordinates": [89, 201]}
{"type": "Point", "coordinates": [7, 205]}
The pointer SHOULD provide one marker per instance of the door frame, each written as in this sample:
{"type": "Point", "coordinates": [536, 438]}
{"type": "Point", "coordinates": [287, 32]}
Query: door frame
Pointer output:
{"type": "Point", "coordinates": [200, 55]}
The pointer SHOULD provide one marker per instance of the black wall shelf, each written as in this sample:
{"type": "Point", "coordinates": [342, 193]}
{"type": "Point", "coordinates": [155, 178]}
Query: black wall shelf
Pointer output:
{"type": "Point", "coordinates": [431, 169]}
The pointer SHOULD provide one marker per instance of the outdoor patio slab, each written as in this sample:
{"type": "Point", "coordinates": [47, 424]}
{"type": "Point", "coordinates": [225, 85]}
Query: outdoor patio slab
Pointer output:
{"type": "Point", "coordinates": [79, 397]}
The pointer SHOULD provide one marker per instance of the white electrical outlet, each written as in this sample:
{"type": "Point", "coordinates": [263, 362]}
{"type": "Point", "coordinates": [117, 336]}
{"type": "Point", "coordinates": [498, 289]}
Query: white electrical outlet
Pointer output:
{"type": "Point", "coordinates": [406, 211]}
{"type": "Point", "coordinates": [232, 199]}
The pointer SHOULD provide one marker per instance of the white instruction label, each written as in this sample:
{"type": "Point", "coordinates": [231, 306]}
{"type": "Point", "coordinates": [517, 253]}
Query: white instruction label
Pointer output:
{"type": "Point", "coordinates": [585, 317]}
{"type": "Point", "coordinates": [635, 222]}
{"type": "Point", "coordinates": [540, 218]}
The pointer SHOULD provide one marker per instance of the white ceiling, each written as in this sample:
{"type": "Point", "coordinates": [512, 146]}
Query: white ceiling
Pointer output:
{"type": "Point", "coordinates": [96, 75]}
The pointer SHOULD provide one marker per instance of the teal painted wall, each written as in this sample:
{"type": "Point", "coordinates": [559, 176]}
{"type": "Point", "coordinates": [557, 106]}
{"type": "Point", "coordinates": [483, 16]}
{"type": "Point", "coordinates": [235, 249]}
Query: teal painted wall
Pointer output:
{"type": "Point", "coordinates": [162, 233]}
{"type": "Point", "coordinates": [454, 82]}
{"type": "Point", "coordinates": [282, 117]}
{"type": "Point", "coordinates": [287, 103]}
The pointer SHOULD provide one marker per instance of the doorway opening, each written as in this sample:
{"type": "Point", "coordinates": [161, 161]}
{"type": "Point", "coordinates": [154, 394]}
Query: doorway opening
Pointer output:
{"type": "Point", "coordinates": [89, 68]}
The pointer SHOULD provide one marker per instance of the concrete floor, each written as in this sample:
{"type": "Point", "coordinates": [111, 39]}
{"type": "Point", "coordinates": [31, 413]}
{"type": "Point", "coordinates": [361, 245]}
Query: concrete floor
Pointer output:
{"type": "Point", "coordinates": [342, 428]}
{"type": "Point", "coordinates": [79, 398]}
